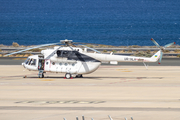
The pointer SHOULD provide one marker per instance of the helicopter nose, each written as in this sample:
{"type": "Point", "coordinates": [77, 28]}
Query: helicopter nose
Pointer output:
{"type": "Point", "coordinates": [23, 65]}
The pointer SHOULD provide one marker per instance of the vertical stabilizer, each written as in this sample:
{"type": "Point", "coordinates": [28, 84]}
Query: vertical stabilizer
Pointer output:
{"type": "Point", "coordinates": [156, 56]}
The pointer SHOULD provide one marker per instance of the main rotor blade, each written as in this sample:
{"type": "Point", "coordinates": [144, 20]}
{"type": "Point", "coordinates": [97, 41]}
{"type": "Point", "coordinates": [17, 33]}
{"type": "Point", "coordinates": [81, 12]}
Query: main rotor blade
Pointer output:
{"type": "Point", "coordinates": [48, 57]}
{"type": "Point", "coordinates": [81, 43]}
{"type": "Point", "coordinates": [33, 48]}
{"type": "Point", "coordinates": [169, 44]}
{"type": "Point", "coordinates": [160, 57]}
{"type": "Point", "coordinates": [91, 49]}
{"type": "Point", "coordinates": [71, 48]}
{"type": "Point", "coordinates": [155, 42]}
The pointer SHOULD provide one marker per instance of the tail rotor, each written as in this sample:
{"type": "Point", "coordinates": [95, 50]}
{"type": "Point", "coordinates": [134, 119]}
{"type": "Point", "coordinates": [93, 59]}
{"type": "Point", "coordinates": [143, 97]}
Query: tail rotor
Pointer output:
{"type": "Point", "coordinates": [161, 48]}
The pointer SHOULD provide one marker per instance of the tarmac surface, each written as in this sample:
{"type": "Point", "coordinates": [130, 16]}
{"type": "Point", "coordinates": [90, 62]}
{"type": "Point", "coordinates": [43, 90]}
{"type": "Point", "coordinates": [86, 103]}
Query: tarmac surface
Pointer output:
{"type": "Point", "coordinates": [119, 91]}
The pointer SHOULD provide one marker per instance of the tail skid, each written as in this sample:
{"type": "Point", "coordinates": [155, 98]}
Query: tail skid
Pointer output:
{"type": "Point", "coordinates": [154, 58]}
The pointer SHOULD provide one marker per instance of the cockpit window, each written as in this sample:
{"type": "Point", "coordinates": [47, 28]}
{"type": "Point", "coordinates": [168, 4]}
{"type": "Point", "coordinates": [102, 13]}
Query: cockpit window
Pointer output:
{"type": "Point", "coordinates": [32, 61]}
{"type": "Point", "coordinates": [27, 60]}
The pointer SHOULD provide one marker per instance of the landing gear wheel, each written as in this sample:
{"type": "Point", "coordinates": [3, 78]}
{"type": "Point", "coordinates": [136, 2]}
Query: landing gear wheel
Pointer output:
{"type": "Point", "coordinates": [79, 76]}
{"type": "Point", "coordinates": [68, 75]}
{"type": "Point", "coordinates": [41, 76]}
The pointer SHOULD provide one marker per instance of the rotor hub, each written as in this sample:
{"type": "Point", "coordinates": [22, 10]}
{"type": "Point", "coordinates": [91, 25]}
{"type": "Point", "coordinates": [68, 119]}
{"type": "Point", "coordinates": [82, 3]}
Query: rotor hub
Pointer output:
{"type": "Point", "coordinates": [66, 42]}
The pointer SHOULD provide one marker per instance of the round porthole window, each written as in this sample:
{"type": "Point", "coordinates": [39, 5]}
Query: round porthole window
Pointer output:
{"type": "Point", "coordinates": [65, 64]}
{"type": "Point", "coordinates": [73, 64]}
{"type": "Point", "coordinates": [53, 63]}
{"type": "Point", "coordinates": [60, 63]}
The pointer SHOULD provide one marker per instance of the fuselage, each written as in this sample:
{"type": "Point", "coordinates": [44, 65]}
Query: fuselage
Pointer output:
{"type": "Point", "coordinates": [73, 62]}
{"type": "Point", "coordinates": [76, 61]}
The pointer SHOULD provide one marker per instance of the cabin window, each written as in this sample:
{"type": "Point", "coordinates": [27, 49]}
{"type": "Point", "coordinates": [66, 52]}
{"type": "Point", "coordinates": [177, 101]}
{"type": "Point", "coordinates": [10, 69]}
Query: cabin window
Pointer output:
{"type": "Point", "coordinates": [65, 64]}
{"type": "Point", "coordinates": [53, 63]}
{"type": "Point", "coordinates": [73, 64]}
{"type": "Point", "coordinates": [60, 64]}
{"type": "Point", "coordinates": [47, 63]}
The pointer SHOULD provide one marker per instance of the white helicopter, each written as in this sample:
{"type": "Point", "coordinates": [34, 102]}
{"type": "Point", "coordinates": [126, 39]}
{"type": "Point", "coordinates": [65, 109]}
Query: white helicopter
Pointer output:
{"type": "Point", "coordinates": [74, 61]}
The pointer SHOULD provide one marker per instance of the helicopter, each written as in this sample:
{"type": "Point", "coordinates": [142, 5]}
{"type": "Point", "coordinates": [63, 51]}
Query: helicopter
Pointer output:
{"type": "Point", "coordinates": [75, 61]}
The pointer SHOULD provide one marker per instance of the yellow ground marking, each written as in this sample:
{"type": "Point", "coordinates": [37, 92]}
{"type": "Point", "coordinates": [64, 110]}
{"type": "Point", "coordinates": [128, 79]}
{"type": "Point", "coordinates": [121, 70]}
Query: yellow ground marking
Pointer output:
{"type": "Point", "coordinates": [46, 79]}
{"type": "Point", "coordinates": [122, 69]}
{"type": "Point", "coordinates": [126, 71]}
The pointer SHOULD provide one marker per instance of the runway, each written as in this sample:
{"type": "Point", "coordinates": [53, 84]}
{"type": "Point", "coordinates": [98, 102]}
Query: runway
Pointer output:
{"type": "Point", "coordinates": [120, 91]}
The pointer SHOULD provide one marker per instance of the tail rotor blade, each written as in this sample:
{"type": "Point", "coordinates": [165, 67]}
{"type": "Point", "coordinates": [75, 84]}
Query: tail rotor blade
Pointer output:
{"type": "Point", "coordinates": [155, 42]}
{"type": "Point", "coordinates": [161, 48]}
{"type": "Point", "coordinates": [160, 57]}
{"type": "Point", "coordinates": [169, 44]}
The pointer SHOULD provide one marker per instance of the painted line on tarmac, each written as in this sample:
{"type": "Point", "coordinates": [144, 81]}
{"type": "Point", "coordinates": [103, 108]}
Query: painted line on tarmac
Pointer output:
{"type": "Point", "coordinates": [60, 102]}
{"type": "Point", "coordinates": [132, 79]}
{"type": "Point", "coordinates": [90, 108]}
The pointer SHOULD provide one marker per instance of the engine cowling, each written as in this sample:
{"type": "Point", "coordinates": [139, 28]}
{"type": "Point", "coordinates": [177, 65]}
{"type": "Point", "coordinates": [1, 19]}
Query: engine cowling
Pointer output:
{"type": "Point", "coordinates": [58, 53]}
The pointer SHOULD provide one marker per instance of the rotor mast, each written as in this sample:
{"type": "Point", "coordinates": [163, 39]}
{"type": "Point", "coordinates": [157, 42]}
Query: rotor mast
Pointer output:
{"type": "Point", "coordinates": [66, 42]}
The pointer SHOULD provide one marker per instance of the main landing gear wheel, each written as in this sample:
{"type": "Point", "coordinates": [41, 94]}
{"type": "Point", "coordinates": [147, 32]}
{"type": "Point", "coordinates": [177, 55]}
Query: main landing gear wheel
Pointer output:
{"type": "Point", "coordinates": [68, 75]}
{"type": "Point", "coordinates": [41, 76]}
{"type": "Point", "coordinates": [79, 76]}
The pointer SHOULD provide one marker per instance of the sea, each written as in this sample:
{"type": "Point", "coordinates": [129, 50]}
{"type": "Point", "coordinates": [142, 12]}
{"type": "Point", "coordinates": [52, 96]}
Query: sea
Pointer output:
{"type": "Point", "coordinates": [109, 22]}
